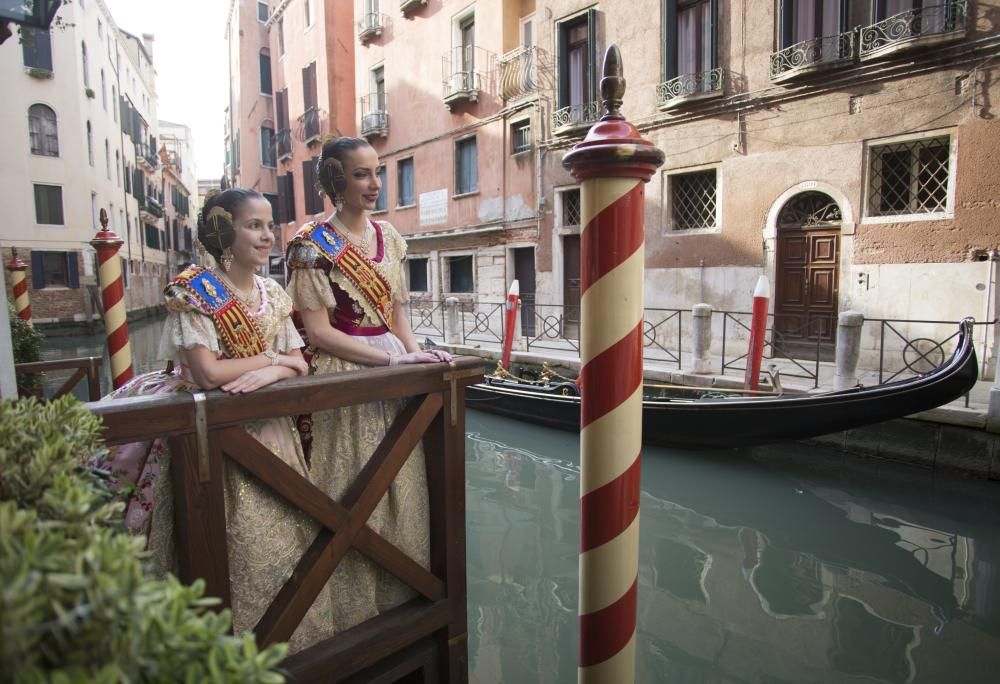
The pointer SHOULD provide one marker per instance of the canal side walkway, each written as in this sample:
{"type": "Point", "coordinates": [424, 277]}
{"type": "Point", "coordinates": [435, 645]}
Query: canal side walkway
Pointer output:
{"type": "Point", "coordinates": [952, 437]}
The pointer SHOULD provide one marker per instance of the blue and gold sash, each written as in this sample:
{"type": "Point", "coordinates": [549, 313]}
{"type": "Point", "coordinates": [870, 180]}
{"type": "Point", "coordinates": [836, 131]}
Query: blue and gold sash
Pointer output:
{"type": "Point", "coordinates": [360, 270]}
{"type": "Point", "coordinates": [240, 333]}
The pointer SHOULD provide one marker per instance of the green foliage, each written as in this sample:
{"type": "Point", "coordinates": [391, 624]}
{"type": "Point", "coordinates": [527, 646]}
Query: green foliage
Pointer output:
{"type": "Point", "coordinates": [27, 344]}
{"type": "Point", "coordinates": [75, 605]}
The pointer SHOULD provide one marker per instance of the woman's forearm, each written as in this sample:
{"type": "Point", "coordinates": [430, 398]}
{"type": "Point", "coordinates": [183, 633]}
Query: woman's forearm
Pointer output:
{"type": "Point", "coordinates": [210, 372]}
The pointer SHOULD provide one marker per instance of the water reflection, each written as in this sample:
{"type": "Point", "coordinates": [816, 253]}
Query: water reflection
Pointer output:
{"type": "Point", "coordinates": [790, 568]}
{"type": "Point", "coordinates": [144, 339]}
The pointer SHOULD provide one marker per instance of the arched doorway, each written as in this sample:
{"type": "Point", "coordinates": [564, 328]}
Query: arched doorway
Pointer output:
{"type": "Point", "coordinates": [807, 262]}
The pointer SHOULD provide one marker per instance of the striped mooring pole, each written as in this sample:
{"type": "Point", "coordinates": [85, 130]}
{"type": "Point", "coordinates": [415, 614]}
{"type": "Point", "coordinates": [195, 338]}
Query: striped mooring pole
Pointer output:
{"type": "Point", "coordinates": [613, 165]}
{"type": "Point", "coordinates": [19, 286]}
{"type": "Point", "coordinates": [107, 244]}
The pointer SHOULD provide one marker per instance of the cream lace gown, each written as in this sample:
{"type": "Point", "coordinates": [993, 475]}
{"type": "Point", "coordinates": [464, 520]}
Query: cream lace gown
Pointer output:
{"type": "Point", "coordinates": [344, 439]}
{"type": "Point", "coordinates": [266, 536]}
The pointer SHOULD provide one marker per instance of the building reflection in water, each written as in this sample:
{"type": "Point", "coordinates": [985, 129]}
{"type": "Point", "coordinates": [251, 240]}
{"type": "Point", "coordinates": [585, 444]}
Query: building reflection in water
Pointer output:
{"type": "Point", "coordinates": [748, 572]}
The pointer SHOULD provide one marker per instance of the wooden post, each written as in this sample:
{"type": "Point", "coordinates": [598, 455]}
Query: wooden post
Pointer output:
{"type": "Point", "coordinates": [613, 163]}
{"type": "Point", "coordinates": [107, 244]}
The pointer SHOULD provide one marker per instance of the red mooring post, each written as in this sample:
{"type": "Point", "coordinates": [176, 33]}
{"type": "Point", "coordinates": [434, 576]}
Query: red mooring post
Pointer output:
{"type": "Point", "coordinates": [510, 319]}
{"type": "Point", "coordinates": [107, 244]}
{"type": "Point", "coordinates": [758, 331]}
{"type": "Point", "coordinates": [19, 286]}
{"type": "Point", "coordinates": [613, 164]}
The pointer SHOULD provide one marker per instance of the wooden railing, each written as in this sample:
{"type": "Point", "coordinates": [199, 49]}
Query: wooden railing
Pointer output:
{"type": "Point", "coordinates": [425, 635]}
{"type": "Point", "coordinates": [85, 366]}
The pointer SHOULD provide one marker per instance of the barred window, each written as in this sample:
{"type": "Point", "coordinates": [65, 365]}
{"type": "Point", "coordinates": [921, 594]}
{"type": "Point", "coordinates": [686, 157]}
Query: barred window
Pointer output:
{"type": "Point", "coordinates": [909, 177]}
{"type": "Point", "coordinates": [520, 135]}
{"type": "Point", "coordinates": [570, 207]}
{"type": "Point", "coordinates": [693, 200]}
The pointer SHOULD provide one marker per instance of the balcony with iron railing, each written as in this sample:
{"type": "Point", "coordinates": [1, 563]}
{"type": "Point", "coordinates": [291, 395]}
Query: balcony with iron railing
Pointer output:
{"type": "Point", "coordinates": [309, 126]}
{"type": "Point", "coordinates": [150, 210]}
{"type": "Point", "coordinates": [407, 6]}
{"type": "Point", "coordinates": [575, 119]}
{"type": "Point", "coordinates": [808, 56]}
{"type": "Point", "coordinates": [690, 87]}
{"type": "Point", "coordinates": [374, 117]}
{"type": "Point", "coordinates": [370, 26]}
{"type": "Point", "coordinates": [283, 143]}
{"type": "Point", "coordinates": [461, 74]}
{"type": "Point", "coordinates": [921, 26]}
{"type": "Point", "coordinates": [519, 72]}
{"type": "Point", "coordinates": [145, 157]}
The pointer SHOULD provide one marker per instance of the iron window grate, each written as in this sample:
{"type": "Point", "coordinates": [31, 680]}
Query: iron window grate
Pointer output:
{"type": "Point", "coordinates": [693, 200]}
{"type": "Point", "coordinates": [909, 177]}
{"type": "Point", "coordinates": [571, 207]}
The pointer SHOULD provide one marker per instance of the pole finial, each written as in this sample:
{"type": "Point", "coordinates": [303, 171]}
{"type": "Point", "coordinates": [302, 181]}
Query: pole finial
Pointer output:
{"type": "Point", "coordinates": [104, 219]}
{"type": "Point", "coordinates": [613, 83]}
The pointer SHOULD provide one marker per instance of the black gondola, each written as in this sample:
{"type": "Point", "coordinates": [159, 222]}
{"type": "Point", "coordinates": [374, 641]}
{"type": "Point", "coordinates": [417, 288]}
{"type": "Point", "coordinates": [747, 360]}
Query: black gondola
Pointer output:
{"type": "Point", "coordinates": [715, 422]}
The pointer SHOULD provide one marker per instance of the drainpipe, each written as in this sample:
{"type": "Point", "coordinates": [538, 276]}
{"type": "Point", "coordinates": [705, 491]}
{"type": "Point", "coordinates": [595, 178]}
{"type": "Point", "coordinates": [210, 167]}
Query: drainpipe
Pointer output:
{"type": "Point", "coordinates": [990, 312]}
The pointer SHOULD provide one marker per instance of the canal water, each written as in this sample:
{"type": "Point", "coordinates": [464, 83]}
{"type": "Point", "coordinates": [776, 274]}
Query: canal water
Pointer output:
{"type": "Point", "coordinates": [788, 564]}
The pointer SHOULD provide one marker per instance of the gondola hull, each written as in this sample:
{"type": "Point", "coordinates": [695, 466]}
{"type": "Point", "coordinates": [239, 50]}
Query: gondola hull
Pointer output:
{"type": "Point", "coordinates": [738, 422]}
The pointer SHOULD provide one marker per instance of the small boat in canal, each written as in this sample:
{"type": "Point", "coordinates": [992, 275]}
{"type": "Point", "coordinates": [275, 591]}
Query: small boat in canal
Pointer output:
{"type": "Point", "coordinates": [714, 421]}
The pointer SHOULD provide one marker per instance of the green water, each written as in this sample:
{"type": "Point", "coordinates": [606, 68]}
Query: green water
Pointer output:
{"type": "Point", "coordinates": [788, 564]}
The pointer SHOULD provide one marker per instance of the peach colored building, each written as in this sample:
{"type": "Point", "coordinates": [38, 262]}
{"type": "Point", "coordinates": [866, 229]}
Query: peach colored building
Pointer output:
{"type": "Point", "coordinates": [311, 42]}
{"type": "Point", "coordinates": [447, 95]}
{"type": "Point", "coordinates": [250, 123]}
{"type": "Point", "coordinates": [846, 149]}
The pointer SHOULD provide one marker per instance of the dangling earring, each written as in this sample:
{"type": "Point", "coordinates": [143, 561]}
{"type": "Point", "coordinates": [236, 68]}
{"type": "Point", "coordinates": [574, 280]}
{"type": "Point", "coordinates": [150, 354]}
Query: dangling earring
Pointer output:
{"type": "Point", "coordinates": [338, 200]}
{"type": "Point", "coordinates": [227, 259]}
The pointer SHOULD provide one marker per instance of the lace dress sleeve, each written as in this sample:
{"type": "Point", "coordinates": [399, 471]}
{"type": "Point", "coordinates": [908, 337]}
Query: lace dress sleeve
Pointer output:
{"type": "Point", "coordinates": [186, 326]}
{"type": "Point", "coordinates": [309, 289]}
{"type": "Point", "coordinates": [287, 338]}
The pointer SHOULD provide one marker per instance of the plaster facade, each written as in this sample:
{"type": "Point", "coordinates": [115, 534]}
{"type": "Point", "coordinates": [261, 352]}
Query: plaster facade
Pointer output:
{"type": "Point", "coordinates": [94, 84]}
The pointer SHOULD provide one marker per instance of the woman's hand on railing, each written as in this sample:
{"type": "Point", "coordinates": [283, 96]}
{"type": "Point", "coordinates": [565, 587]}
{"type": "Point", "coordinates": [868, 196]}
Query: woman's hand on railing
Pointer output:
{"type": "Point", "coordinates": [424, 356]}
{"type": "Point", "coordinates": [255, 379]}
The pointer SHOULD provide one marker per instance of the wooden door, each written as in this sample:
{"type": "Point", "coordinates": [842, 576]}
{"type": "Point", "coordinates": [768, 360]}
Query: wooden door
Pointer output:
{"type": "Point", "coordinates": [571, 286]}
{"type": "Point", "coordinates": [524, 272]}
{"type": "Point", "coordinates": [808, 263]}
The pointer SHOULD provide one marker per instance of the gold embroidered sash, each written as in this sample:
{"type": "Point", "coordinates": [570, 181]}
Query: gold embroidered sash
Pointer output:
{"type": "Point", "coordinates": [240, 333]}
{"type": "Point", "coordinates": [360, 270]}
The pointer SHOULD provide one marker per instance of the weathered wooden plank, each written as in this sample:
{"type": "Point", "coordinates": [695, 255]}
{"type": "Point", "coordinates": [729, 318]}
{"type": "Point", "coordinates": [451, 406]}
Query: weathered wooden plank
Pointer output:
{"type": "Point", "coordinates": [455, 579]}
{"type": "Point", "coordinates": [319, 562]}
{"type": "Point", "coordinates": [272, 472]}
{"type": "Point", "coordinates": [200, 517]}
{"type": "Point", "coordinates": [128, 420]}
{"type": "Point", "coordinates": [68, 386]}
{"type": "Point", "coordinates": [360, 647]}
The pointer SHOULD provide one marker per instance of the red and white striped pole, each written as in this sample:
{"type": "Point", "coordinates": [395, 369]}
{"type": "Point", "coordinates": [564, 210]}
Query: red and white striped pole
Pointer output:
{"type": "Point", "coordinates": [613, 163]}
{"type": "Point", "coordinates": [510, 319]}
{"type": "Point", "coordinates": [107, 244]}
{"type": "Point", "coordinates": [758, 331]}
{"type": "Point", "coordinates": [19, 286]}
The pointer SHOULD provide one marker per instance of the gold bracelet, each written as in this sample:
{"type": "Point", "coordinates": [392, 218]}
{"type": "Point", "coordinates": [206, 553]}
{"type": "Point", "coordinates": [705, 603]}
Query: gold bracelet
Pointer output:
{"type": "Point", "coordinates": [393, 359]}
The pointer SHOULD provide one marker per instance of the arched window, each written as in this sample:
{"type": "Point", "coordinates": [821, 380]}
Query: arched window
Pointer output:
{"type": "Point", "coordinates": [43, 130]}
{"type": "Point", "coordinates": [86, 67]}
{"type": "Point", "coordinates": [90, 143]}
{"type": "Point", "coordinates": [104, 91]}
{"type": "Point", "coordinates": [107, 157]}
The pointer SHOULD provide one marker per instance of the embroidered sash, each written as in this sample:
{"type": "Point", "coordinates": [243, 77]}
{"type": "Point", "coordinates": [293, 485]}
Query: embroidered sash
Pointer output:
{"type": "Point", "coordinates": [240, 333]}
{"type": "Point", "coordinates": [360, 270]}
